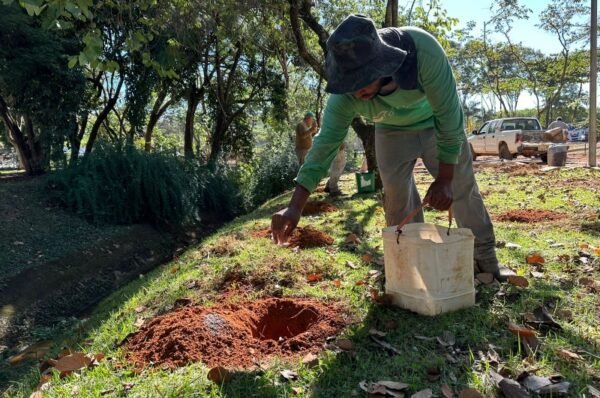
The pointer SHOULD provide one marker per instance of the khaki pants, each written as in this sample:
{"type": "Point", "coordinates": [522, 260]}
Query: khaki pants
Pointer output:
{"type": "Point", "coordinates": [301, 154]}
{"type": "Point", "coordinates": [397, 153]}
{"type": "Point", "coordinates": [336, 170]}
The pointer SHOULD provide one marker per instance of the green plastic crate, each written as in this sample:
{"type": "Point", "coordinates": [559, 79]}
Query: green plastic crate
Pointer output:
{"type": "Point", "coordinates": [365, 182]}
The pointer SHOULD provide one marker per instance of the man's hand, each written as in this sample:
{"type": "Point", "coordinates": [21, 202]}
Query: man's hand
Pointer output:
{"type": "Point", "coordinates": [283, 224]}
{"type": "Point", "coordinates": [439, 195]}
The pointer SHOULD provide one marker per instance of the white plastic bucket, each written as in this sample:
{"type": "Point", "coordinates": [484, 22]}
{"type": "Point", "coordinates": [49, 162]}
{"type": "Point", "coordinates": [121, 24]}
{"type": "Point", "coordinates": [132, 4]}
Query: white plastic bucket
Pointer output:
{"type": "Point", "coordinates": [428, 271]}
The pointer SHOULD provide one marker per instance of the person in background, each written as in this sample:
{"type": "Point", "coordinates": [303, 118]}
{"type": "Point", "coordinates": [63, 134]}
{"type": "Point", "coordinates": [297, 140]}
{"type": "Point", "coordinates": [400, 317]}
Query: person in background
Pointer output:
{"type": "Point", "coordinates": [400, 79]}
{"type": "Point", "coordinates": [335, 172]}
{"type": "Point", "coordinates": [558, 123]}
{"type": "Point", "coordinates": [305, 131]}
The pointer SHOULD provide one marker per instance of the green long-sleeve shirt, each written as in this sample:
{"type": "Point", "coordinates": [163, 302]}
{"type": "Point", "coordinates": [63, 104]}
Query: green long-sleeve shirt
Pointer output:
{"type": "Point", "coordinates": [434, 103]}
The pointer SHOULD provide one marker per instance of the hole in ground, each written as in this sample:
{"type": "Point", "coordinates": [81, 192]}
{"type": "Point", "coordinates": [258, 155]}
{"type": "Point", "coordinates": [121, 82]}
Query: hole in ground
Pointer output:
{"type": "Point", "coordinates": [284, 319]}
{"type": "Point", "coordinates": [235, 335]}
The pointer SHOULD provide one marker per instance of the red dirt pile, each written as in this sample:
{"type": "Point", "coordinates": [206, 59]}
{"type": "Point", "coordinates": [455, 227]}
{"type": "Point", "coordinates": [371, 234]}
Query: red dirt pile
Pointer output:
{"type": "Point", "coordinates": [317, 206]}
{"type": "Point", "coordinates": [304, 238]}
{"type": "Point", "coordinates": [235, 335]}
{"type": "Point", "coordinates": [530, 216]}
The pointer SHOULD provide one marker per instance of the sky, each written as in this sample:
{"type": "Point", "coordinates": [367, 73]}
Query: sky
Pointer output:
{"type": "Point", "coordinates": [524, 31]}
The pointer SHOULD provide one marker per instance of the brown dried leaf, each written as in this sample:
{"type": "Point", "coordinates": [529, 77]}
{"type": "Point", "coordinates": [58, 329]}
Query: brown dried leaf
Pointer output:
{"type": "Point", "coordinates": [71, 363]}
{"type": "Point", "coordinates": [219, 375]}
{"type": "Point", "coordinates": [350, 264]}
{"type": "Point", "coordinates": [447, 391]}
{"type": "Point", "coordinates": [377, 333]}
{"type": "Point", "coordinates": [297, 390]}
{"type": "Point", "coordinates": [337, 283]}
{"type": "Point", "coordinates": [433, 374]}
{"type": "Point", "coordinates": [360, 282]}
{"type": "Point", "coordinates": [34, 351]}
{"type": "Point", "coordinates": [345, 344]}
{"type": "Point", "coordinates": [393, 385]}
{"type": "Point", "coordinates": [522, 331]}
{"type": "Point", "coordinates": [367, 257]}
{"type": "Point", "coordinates": [310, 360]}
{"type": "Point", "coordinates": [427, 393]}
{"type": "Point", "coordinates": [470, 393]}
{"type": "Point", "coordinates": [517, 280]}
{"type": "Point", "coordinates": [140, 308]}
{"type": "Point", "coordinates": [568, 355]}
{"type": "Point", "coordinates": [183, 302]}
{"type": "Point", "coordinates": [353, 239]}
{"type": "Point", "coordinates": [593, 391]}
{"type": "Point", "coordinates": [312, 278]}
{"type": "Point", "coordinates": [485, 277]}
{"type": "Point", "coordinates": [535, 259]}
{"type": "Point", "coordinates": [139, 321]}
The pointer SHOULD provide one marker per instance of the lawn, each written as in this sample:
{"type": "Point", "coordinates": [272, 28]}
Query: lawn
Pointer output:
{"type": "Point", "coordinates": [236, 265]}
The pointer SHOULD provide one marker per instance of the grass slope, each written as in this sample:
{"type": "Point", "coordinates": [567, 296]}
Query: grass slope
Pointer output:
{"type": "Point", "coordinates": [233, 259]}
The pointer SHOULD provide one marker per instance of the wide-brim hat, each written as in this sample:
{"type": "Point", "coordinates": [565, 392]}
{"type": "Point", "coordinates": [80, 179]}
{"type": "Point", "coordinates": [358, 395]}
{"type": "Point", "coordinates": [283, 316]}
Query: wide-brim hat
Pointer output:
{"type": "Point", "coordinates": [357, 56]}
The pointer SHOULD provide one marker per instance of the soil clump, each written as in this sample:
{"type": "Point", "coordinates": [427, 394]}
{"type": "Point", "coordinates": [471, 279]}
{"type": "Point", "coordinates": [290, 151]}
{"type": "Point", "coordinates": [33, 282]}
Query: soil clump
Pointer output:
{"type": "Point", "coordinates": [304, 238]}
{"type": "Point", "coordinates": [530, 216]}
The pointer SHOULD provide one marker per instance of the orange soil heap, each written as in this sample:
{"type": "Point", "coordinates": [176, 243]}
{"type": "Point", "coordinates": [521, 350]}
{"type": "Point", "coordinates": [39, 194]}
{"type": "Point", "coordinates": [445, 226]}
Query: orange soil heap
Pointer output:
{"type": "Point", "coordinates": [530, 216]}
{"type": "Point", "coordinates": [304, 238]}
{"type": "Point", "coordinates": [235, 335]}
{"type": "Point", "coordinates": [316, 207]}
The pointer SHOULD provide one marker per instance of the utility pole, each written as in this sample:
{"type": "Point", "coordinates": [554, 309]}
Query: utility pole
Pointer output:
{"type": "Point", "coordinates": [592, 134]}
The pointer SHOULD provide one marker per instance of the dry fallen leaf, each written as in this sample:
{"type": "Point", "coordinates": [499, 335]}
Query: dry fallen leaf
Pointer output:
{"type": "Point", "coordinates": [360, 282]}
{"type": "Point", "coordinates": [393, 385]}
{"type": "Point", "coordinates": [34, 351]}
{"type": "Point", "coordinates": [139, 322]}
{"type": "Point", "coordinates": [353, 239]}
{"type": "Point", "coordinates": [517, 280]}
{"type": "Point", "coordinates": [592, 285]}
{"type": "Point", "coordinates": [593, 391]}
{"type": "Point", "coordinates": [378, 333]}
{"type": "Point", "coordinates": [288, 374]}
{"type": "Point", "coordinates": [297, 390]}
{"type": "Point", "coordinates": [535, 259]}
{"type": "Point", "coordinates": [350, 264]}
{"type": "Point", "coordinates": [219, 375]}
{"type": "Point", "coordinates": [36, 394]}
{"type": "Point", "coordinates": [337, 283]}
{"type": "Point", "coordinates": [522, 331]}
{"type": "Point", "coordinates": [427, 393]}
{"type": "Point", "coordinates": [447, 391]}
{"type": "Point", "coordinates": [367, 257]}
{"type": "Point", "coordinates": [568, 355]}
{"type": "Point", "coordinates": [470, 393]}
{"type": "Point", "coordinates": [140, 308]}
{"type": "Point", "coordinates": [71, 363]}
{"type": "Point", "coordinates": [310, 360]}
{"type": "Point", "coordinates": [583, 245]}
{"type": "Point", "coordinates": [345, 344]}
{"type": "Point", "coordinates": [311, 278]}
{"type": "Point", "coordinates": [597, 251]}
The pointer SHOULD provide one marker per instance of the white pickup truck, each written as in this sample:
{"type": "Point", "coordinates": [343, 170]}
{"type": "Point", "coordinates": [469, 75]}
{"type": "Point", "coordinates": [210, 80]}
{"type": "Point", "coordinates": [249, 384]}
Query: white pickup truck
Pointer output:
{"type": "Point", "coordinates": [510, 137]}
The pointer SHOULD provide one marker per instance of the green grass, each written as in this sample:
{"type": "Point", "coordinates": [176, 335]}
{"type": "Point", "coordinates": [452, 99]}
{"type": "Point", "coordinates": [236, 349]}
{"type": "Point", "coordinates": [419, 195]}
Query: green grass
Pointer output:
{"type": "Point", "coordinates": [265, 265]}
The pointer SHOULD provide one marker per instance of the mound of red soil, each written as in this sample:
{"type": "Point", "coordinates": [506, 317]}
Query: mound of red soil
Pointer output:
{"type": "Point", "coordinates": [304, 238]}
{"type": "Point", "coordinates": [317, 206]}
{"type": "Point", "coordinates": [530, 216]}
{"type": "Point", "coordinates": [235, 335]}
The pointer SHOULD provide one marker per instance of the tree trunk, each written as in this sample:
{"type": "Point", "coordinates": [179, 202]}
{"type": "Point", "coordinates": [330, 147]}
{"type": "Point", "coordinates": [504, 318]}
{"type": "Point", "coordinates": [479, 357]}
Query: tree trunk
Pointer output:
{"type": "Point", "coordinates": [188, 135]}
{"type": "Point", "coordinates": [158, 110]}
{"type": "Point", "coordinates": [103, 115]}
{"type": "Point", "coordinates": [366, 133]}
{"type": "Point", "coordinates": [216, 142]}
{"type": "Point", "coordinates": [75, 139]}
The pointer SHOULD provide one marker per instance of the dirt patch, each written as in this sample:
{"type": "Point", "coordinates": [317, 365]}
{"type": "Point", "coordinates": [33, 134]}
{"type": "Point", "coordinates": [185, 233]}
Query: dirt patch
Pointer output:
{"type": "Point", "coordinates": [304, 238]}
{"type": "Point", "coordinates": [530, 216]}
{"type": "Point", "coordinates": [235, 335]}
{"type": "Point", "coordinates": [512, 168]}
{"type": "Point", "coordinates": [316, 207]}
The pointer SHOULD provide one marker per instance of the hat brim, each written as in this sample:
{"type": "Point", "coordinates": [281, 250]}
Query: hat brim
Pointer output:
{"type": "Point", "coordinates": [343, 82]}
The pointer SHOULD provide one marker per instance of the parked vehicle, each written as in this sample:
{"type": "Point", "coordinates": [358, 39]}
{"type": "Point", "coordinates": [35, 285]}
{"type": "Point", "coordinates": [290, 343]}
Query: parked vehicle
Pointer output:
{"type": "Point", "coordinates": [578, 135]}
{"type": "Point", "coordinates": [510, 137]}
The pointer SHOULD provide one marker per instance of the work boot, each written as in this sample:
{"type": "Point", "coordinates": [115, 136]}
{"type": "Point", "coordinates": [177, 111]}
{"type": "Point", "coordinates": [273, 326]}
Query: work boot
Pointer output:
{"type": "Point", "coordinates": [490, 265]}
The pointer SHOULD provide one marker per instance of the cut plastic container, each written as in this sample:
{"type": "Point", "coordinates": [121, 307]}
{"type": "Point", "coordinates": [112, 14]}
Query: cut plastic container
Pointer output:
{"type": "Point", "coordinates": [557, 155]}
{"type": "Point", "coordinates": [365, 182]}
{"type": "Point", "coordinates": [428, 271]}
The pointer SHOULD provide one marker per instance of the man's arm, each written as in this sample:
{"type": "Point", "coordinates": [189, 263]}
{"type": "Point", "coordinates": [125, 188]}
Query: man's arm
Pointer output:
{"type": "Point", "coordinates": [336, 121]}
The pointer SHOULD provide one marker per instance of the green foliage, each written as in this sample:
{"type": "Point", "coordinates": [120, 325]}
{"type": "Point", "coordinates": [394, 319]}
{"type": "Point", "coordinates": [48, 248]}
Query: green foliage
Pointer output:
{"type": "Point", "coordinates": [270, 174]}
{"type": "Point", "coordinates": [123, 185]}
